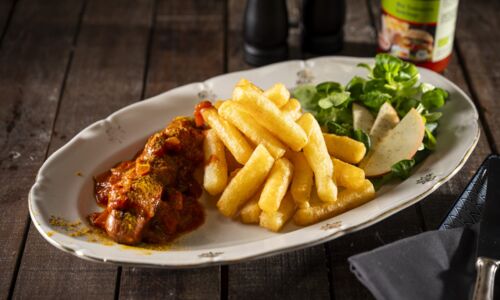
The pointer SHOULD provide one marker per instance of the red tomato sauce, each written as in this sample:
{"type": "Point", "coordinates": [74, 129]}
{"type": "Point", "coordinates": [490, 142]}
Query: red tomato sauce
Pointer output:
{"type": "Point", "coordinates": [154, 197]}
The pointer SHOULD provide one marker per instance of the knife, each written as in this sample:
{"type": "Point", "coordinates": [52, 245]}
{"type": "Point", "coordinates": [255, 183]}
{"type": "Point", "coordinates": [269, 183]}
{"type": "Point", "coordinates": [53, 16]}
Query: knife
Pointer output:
{"type": "Point", "coordinates": [488, 245]}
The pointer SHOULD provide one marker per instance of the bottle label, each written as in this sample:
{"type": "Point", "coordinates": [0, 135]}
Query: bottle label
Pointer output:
{"type": "Point", "coordinates": [418, 30]}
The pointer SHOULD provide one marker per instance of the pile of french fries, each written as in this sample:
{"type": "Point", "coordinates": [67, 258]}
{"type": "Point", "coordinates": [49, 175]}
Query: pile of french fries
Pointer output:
{"type": "Point", "coordinates": [269, 162]}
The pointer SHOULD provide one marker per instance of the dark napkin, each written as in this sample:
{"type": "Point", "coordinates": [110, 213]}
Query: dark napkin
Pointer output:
{"type": "Point", "coordinates": [435, 264]}
{"type": "Point", "coordinates": [432, 265]}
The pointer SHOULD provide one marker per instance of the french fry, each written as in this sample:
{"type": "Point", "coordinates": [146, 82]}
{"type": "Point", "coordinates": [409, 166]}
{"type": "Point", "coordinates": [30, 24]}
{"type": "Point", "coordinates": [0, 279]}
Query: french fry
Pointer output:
{"type": "Point", "coordinates": [292, 109]}
{"type": "Point", "coordinates": [230, 136]}
{"type": "Point", "coordinates": [246, 182]}
{"type": "Point", "coordinates": [276, 185]}
{"type": "Point", "coordinates": [347, 175]}
{"type": "Point", "coordinates": [235, 114]}
{"type": "Point", "coordinates": [347, 199]}
{"type": "Point", "coordinates": [218, 103]}
{"type": "Point", "coordinates": [231, 162]}
{"type": "Point", "coordinates": [302, 181]}
{"type": "Point", "coordinates": [279, 94]}
{"type": "Point", "coordinates": [215, 175]}
{"type": "Point", "coordinates": [260, 107]}
{"type": "Point", "coordinates": [318, 158]}
{"type": "Point", "coordinates": [344, 148]}
{"type": "Point", "coordinates": [276, 220]}
{"type": "Point", "coordinates": [250, 213]}
{"type": "Point", "coordinates": [247, 83]}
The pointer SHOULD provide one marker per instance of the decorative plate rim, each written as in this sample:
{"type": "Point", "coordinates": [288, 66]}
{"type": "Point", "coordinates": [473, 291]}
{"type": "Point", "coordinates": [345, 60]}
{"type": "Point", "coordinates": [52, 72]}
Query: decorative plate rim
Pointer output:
{"type": "Point", "coordinates": [209, 258]}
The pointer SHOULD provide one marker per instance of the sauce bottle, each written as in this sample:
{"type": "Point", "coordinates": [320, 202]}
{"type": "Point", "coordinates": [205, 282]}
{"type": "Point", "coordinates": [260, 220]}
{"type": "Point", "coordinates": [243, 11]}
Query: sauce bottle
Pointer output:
{"type": "Point", "coordinates": [420, 31]}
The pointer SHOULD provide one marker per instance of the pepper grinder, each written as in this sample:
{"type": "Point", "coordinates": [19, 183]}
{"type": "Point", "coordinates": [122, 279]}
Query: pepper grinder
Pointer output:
{"type": "Point", "coordinates": [265, 31]}
{"type": "Point", "coordinates": [322, 25]}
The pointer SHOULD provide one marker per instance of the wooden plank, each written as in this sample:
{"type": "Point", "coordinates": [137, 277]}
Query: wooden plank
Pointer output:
{"type": "Point", "coordinates": [295, 275]}
{"type": "Point", "coordinates": [187, 46]}
{"type": "Point", "coordinates": [359, 34]}
{"type": "Point", "coordinates": [294, 14]}
{"type": "Point", "coordinates": [106, 74]}
{"type": "Point", "coordinates": [479, 45]}
{"type": "Point", "coordinates": [234, 46]}
{"type": "Point", "coordinates": [33, 59]}
{"type": "Point", "coordinates": [6, 10]}
{"type": "Point", "coordinates": [143, 283]}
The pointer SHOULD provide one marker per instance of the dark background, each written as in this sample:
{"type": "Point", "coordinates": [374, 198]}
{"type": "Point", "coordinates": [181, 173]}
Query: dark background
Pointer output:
{"type": "Point", "coordinates": [67, 63]}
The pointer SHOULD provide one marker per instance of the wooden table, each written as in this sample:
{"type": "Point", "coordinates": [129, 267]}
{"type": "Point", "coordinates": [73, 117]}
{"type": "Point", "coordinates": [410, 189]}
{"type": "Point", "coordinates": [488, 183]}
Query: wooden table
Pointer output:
{"type": "Point", "coordinates": [65, 64]}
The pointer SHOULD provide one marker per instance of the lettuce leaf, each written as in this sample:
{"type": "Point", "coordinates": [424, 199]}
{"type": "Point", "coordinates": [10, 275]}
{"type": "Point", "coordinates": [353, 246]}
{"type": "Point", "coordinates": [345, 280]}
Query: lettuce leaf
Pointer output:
{"type": "Point", "coordinates": [391, 80]}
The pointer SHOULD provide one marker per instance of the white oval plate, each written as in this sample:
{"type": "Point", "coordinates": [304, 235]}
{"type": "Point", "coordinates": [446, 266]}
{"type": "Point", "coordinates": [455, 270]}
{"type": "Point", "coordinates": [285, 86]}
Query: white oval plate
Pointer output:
{"type": "Point", "coordinates": [64, 185]}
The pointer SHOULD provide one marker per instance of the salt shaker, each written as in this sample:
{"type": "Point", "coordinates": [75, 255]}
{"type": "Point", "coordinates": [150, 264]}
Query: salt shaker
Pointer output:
{"type": "Point", "coordinates": [265, 31]}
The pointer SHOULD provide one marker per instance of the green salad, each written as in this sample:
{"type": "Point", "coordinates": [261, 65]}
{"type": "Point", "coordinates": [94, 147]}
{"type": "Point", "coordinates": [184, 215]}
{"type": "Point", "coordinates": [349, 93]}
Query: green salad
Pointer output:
{"type": "Point", "coordinates": [391, 80]}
